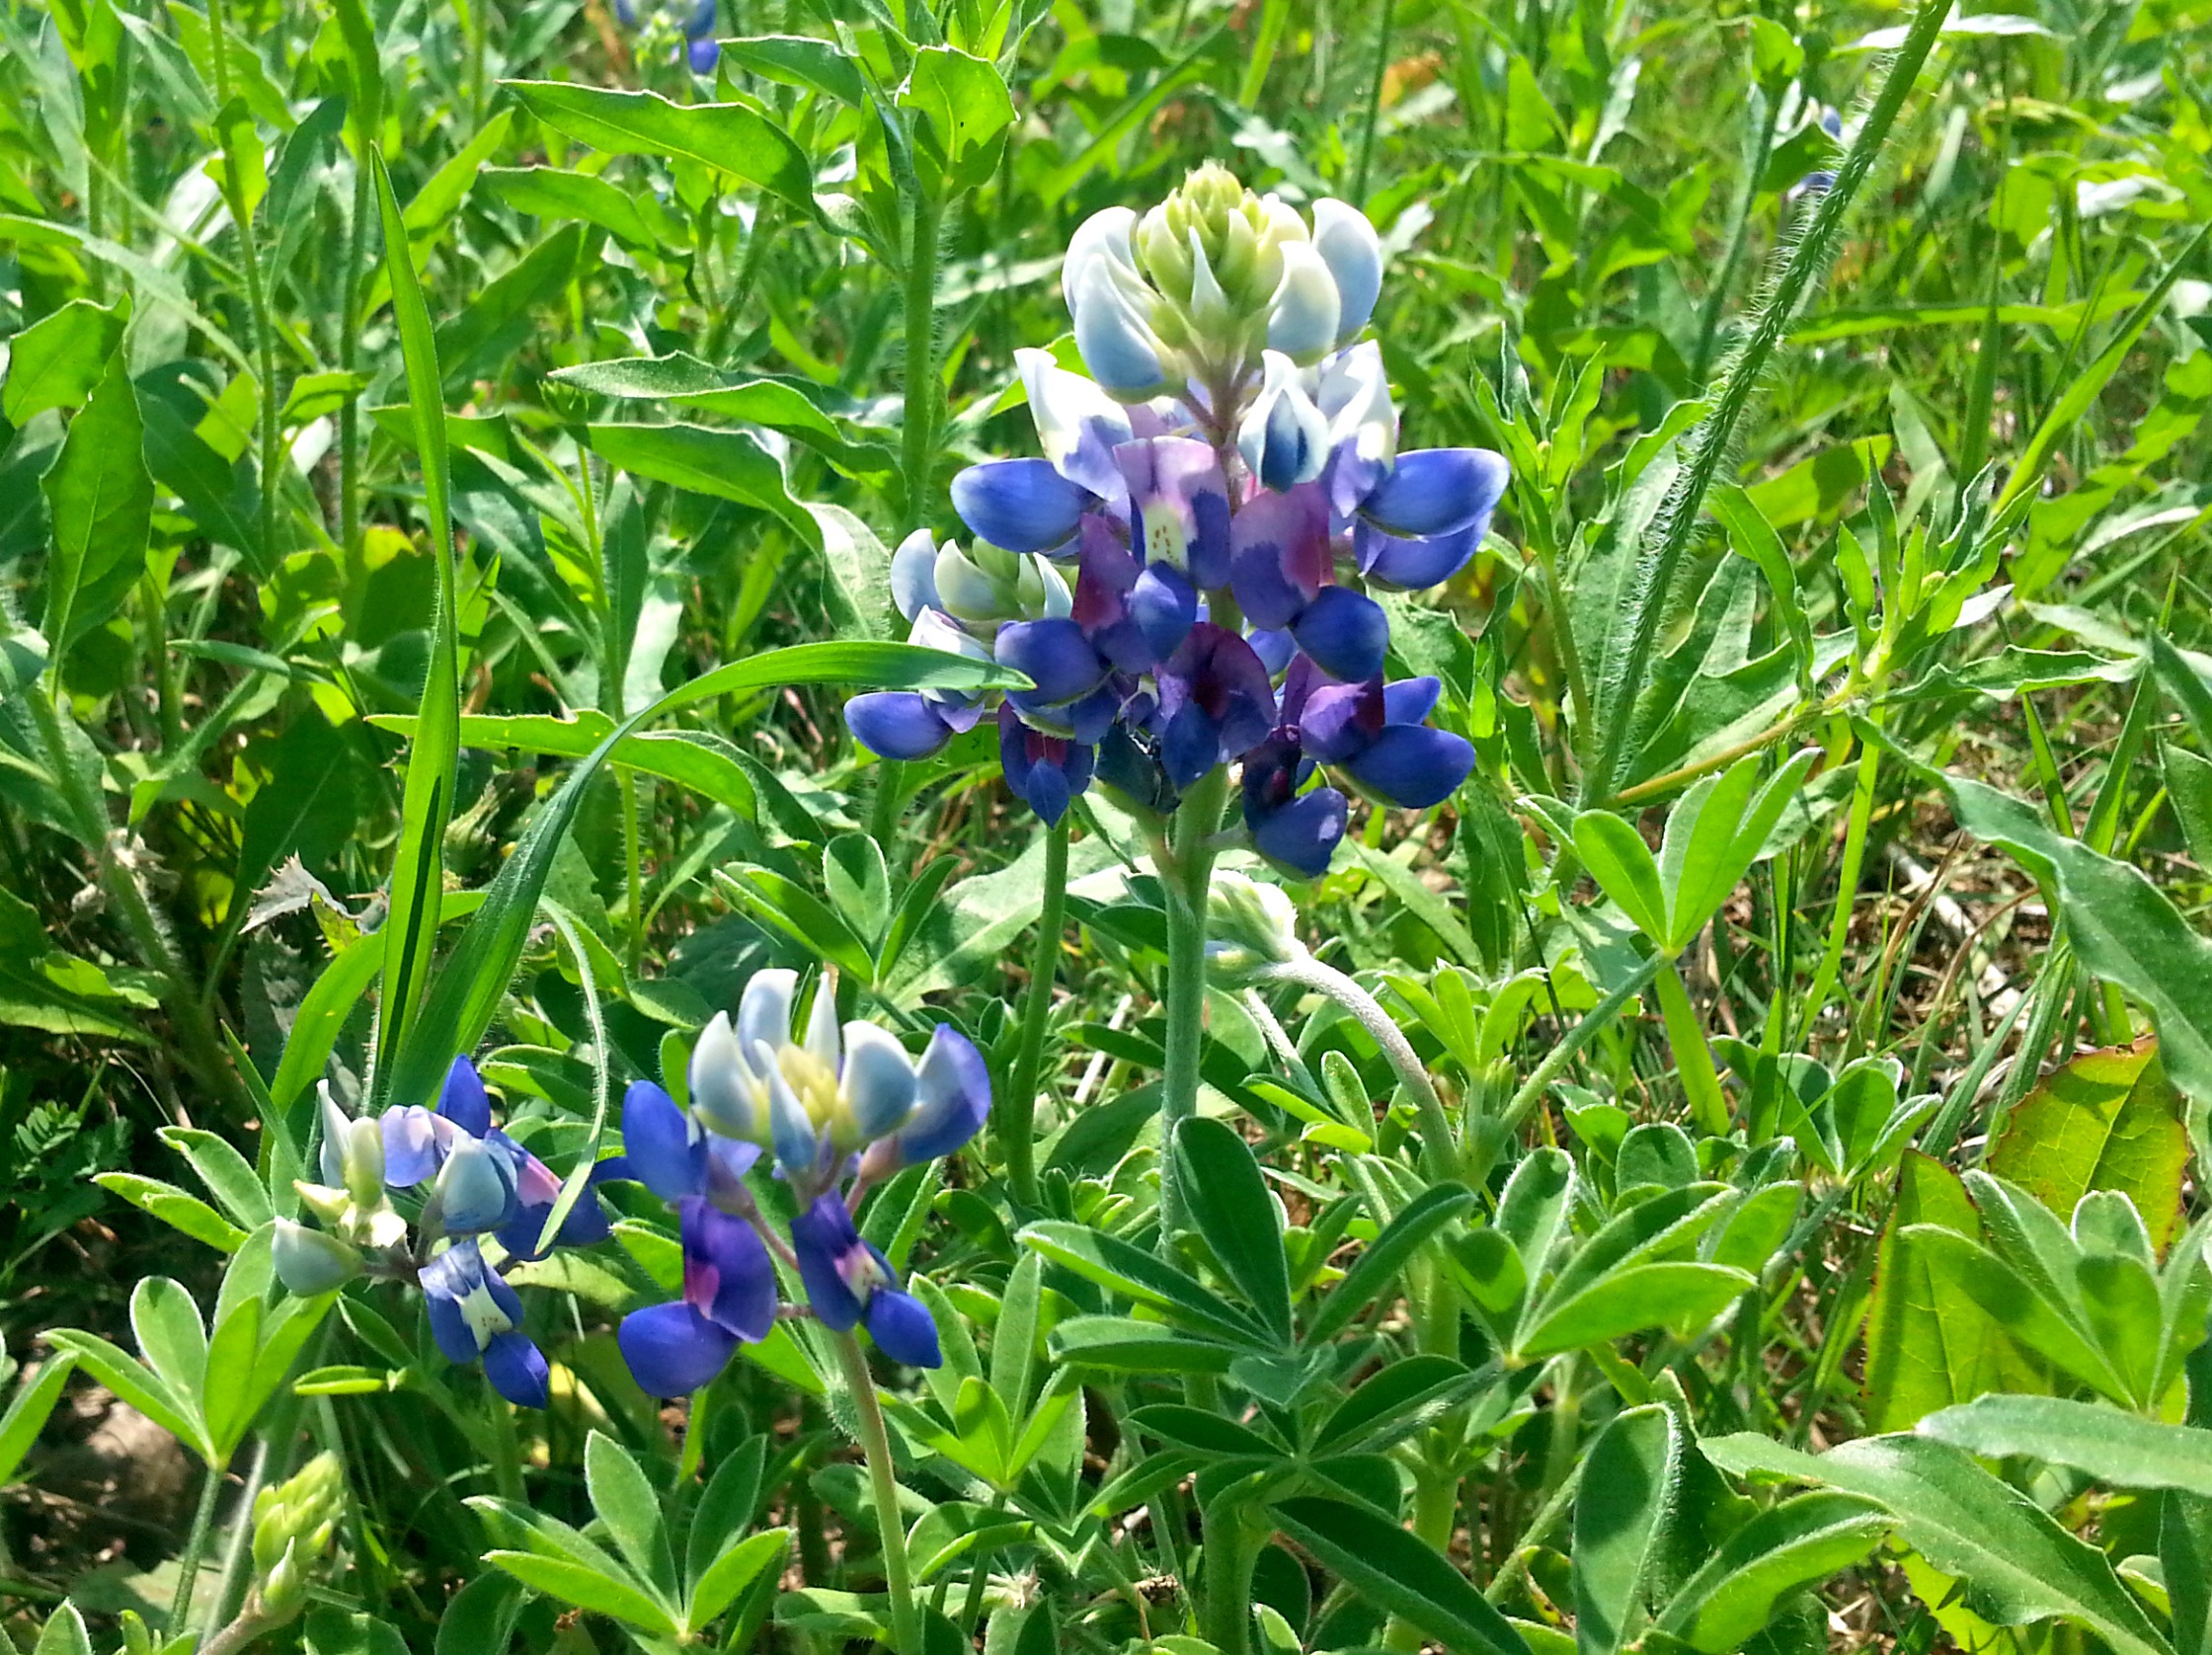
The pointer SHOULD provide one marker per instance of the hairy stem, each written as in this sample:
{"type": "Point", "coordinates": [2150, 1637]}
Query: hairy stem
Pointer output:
{"type": "Point", "coordinates": [1187, 874]}
{"type": "Point", "coordinates": [918, 451]}
{"type": "Point", "coordinates": [1436, 1126]}
{"type": "Point", "coordinates": [1232, 1547]}
{"type": "Point", "coordinates": [1685, 501]}
{"type": "Point", "coordinates": [882, 1480]}
{"type": "Point", "coordinates": [1017, 1121]}
{"type": "Point", "coordinates": [195, 1548]}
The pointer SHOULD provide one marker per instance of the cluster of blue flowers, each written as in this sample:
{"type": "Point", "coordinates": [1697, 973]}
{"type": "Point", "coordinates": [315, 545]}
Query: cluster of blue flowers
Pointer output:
{"type": "Point", "coordinates": [841, 1109]}
{"type": "Point", "coordinates": [693, 18]}
{"type": "Point", "coordinates": [1225, 487]}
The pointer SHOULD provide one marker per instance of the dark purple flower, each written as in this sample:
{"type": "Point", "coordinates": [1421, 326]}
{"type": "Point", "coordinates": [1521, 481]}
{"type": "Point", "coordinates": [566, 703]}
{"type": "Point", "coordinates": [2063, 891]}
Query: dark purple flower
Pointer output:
{"type": "Point", "coordinates": [1375, 736]}
{"type": "Point", "coordinates": [1046, 771]}
{"type": "Point", "coordinates": [475, 1316]}
{"type": "Point", "coordinates": [849, 1279]}
{"type": "Point", "coordinates": [1020, 506]}
{"type": "Point", "coordinates": [1298, 831]}
{"type": "Point", "coordinates": [1134, 615]}
{"type": "Point", "coordinates": [1216, 702]}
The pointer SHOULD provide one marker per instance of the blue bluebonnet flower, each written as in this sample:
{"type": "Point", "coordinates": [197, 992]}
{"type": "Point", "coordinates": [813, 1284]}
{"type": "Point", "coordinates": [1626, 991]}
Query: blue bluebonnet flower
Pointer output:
{"type": "Point", "coordinates": [474, 1314]}
{"type": "Point", "coordinates": [1820, 181]}
{"type": "Point", "coordinates": [841, 1108]}
{"type": "Point", "coordinates": [692, 19]}
{"type": "Point", "coordinates": [1229, 488]}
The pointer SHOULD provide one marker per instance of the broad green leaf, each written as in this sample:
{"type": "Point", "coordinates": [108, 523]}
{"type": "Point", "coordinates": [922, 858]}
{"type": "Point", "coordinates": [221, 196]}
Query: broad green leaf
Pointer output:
{"type": "Point", "coordinates": [99, 501]}
{"type": "Point", "coordinates": [726, 464]}
{"type": "Point", "coordinates": [1141, 1277]}
{"type": "Point", "coordinates": [1622, 864]}
{"type": "Point", "coordinates": [731, 1572]}
{"type": "Point", "coordinates": [333, 1631]}
{"type": "Point", "coordinates": [1710, 844]}
{"type": "Point", "coordinates": [225, 1172]}
{"type": "Point", "coordinates": [1780, 1551]}
{"type": "Point", "coordinates": [2120, 1450]}
{"type": "Point", "coordinates": [57, 361]}
{"type": "Point", "coordinates": [586, 1588]}
{"type": "Point", "coordinates": [2033, 1314]}
{"type": "Point", "coordinates": [481, 1615]}
{"type": "Point", "coordinates": [965, 109]}
{"type": "Point", "coordinates": [1014, 1339]}
{"type": "Point", "coordinates": [418, 880]}
{"type": "Point", "coordinates": [1631, 1478]}
{"type": "Point", "coordinates": [1406, 1397]}
{"type": "Point", "coordinates": [2186, 1553]}
{"type": "Point", "coordinates": [1397, 1572]}
{"type": "Point", "coordinates": [634, 219]}
{"type": "Point", "coordinates": [729, 137]}
{"type": "Point", "coordinates": [1667, 1294]}
{"type": "Point", "coordinates": [136, 1384]}
{"type": "Point", "coordinates": [2101, 1121]}
{"type": "Point", "coordinates": [229, 1386]}
{"type": "Point", "coordinates": [626, 1504]}
{"type": "Point", "coordinates": [685, 380]}
{"type": "Point", "coordinates": [28, 1411]}
{"type": "Point", "coordinates": [803, 61]}
{"type": "Point", "coordinates": [1380, 1261]}
{"type": "Point", "coordinates": [64, 1633]}
{"type": "Point", "coordinates": [2018, 1567]}
{"type": "Point", "coordinates": [1228, 1200]}
{"type": "Point", "coordinates": [1120, 1345]}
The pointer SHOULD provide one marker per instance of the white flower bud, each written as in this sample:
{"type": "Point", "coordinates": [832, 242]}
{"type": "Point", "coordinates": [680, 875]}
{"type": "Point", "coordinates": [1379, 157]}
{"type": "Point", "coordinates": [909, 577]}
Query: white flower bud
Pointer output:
{"type": "Point", "coordinates": [1303, 321]}
{"type": "Point", "coordinates": [1353, 251]}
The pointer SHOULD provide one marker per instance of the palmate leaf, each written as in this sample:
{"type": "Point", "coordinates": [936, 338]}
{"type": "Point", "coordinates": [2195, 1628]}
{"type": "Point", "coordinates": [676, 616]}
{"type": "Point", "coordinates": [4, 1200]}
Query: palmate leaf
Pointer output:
{"type": "Point", "coordinates": [1397, 1572]}
{"type": "Point", "coordinates": [2122, 1449]}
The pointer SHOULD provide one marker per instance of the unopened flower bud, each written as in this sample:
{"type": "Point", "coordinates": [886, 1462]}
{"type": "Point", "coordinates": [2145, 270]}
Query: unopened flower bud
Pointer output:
{"type": "Point", "coordinates": [1353, 253]}
{"type": "Point", "coordinates": [1284, 438]}
{"type": "Point", "coordinates": [1249, 927]}
{"type": "Point", "coordinates": [720, 1081]}
{"type": "Point", "coordinates": [294, 1522]}
{"type": "Point", "coordinates": [1302, 322]}
{"type": "Point", "coordinates": [309, 1262]}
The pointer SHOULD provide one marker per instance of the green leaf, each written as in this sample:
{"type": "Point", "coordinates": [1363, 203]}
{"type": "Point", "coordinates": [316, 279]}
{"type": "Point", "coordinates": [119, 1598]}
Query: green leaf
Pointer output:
{"type": "Point", "coordinates": [731, 1572]}
{"type": "Point", "coordinates": [585, 1587]}
{"type": "Point", "coordinates": [722, 1514]}
{"type": "Point", "coordinates": [410, 929]}
{"type": "Point", "coordinates": [225, 1172]}
{"type": "Point", "coordinates": [1235, 1215]}
{"type": "Point", "coordinates": [1014, 1338]}
{"type": "Point", "coordinates": [725, 464]}
{"type": "Point", "coordinates": [1714, 833]}
{"type": "Point", "coordinates": [1389, 1253]}
{"type": "Point", "coordinates": [1408, 1395]}
{"type": "Point", "coordinates": [333, 1631]}
{"type": "Point", "coordinates": [1206, 1431]}
{"type": "Point", "coordinates": [2101, 1121]}
{"type": "Point", "coordinates": [1631, 1480]}
{"type": "Point", "coordinates": [42, 988]}
{"type": "Point", "coordinates": [635, 220]}
{"type": "Point", "coordinates": [171, 1337]}
{"type": "Point", "coordinates": [2119, 1450]}
{"type": "Point", "coordinates": [1622, 864]}
{"type": "Point", "coordinates": [1751, 536]}
{"type": "Point", "coordinates": [57, 361]}
{"type": "Point", "coordinates": [1667, 1294]}
{"type": "Point", "coordinates": [136, 1384]}
{"type": "Point", "coordinates": [729, 137]}
{"type": "Point", "coordinates": [685, 379]}
{"type": "Point", "coordinates": [966, 107]}
{"type": "Point", "coordinates": [229, 1388]}
{"type": "Point", "coordinates": [1397, 1572]}
{"type": "Point", "coordinates": [800, 61]}
{"type": "Point", "coordinates": [626, 1504]}
{"type": "Point", "coordinates": [1141, 1277]}
{"type": "Point", "coordinates": [100, 502]}
{"type": "Point", "coordinates": [469, 989]}
{"type": "Point", "coordinates": [29, 1410]}
{"type": "Point", "coordinates": [1120, 1345]}
{"type": "Point", "coordinates": [481, 1616]}
{"type": "Point", "coordinates": [2185, 1552]}
{"type": "Point", "coordinates": [64, 1633]}
{"type": "Point", "coordinates": [2017, 1564]}
{"type": "Point", "coordinates": [1778, 1554]}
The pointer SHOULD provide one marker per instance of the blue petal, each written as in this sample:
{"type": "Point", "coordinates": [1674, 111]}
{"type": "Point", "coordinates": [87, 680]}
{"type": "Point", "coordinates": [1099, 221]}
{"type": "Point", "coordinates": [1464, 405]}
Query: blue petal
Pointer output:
{"type": "Point", "coordinates": [702, 51]}
{"type": "Point", "coordinates": [672, 1349]}
{"type": "Point", "coordinates": [475, 1189]}
{"type": "Point", "coordinates": [448, 1279]}
{"type": "Point", "coordinates": [1022, 506]}
{"type": "Point", "coordinates": [913, 574]}
{"type": "Point", "coordinates": [903, 1329]}
{"type": "Point", "coordinates": [665, 1152]}
{"type": "Point", "coordinates": [1273, 647]}
{"type": "Point", "coordinates": [1054, 654]}
{"type": "Point", "coordinates": [1438, 490]}
{"type": "Point", "coordinates": [516, 1366]}
{"type": "Point", "coordinates": [820, 1238]}
{"type": "Point", "coordinates": [411, 1148]}
{"type": "Point", "coordinates": [1414, 766]}
{"type": "Point", "coordinates": [701, 18]}
{"type": "Point", "coordinates": [462, 1100]}
{"type": "Point", "coordinates": [953, 1097]}
{"type": "Point", "coordinates": [727, 1273]}
{"type": "Point", "coordinates": [896, 724]}
{"type": "Point", "coordinates": [1302, 835]}
{"type": "Point", "coordinates": [1191, 746]}
{"type": "Point", "coordinates": [1412, 565]}
{"type": "Point", "coordinates": [1164, 606]}
{"type": "Point", "coordinates": [1346, 633]}
{"type": "Point", "coordinates": [587, 1223]}
{"type": "Point", "coordinates": [1410, 700]}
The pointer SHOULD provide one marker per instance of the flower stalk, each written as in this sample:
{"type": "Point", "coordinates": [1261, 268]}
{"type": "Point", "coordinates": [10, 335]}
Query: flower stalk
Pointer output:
{"type": "Point", "coordinates": [883, 1484]}
{"type": "Point", "coordinates": [1017, 1121]}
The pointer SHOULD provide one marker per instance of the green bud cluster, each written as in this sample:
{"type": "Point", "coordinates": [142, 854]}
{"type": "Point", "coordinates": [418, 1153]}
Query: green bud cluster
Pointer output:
{"type": "Point", "coordinates": [293, 1524]}
{"type": "Point", "coordinates": [984, 585]}
{"type": "Point", "coordinates": [1249, 927]}
{"type": "Point", "coordinates": [1213, 250]}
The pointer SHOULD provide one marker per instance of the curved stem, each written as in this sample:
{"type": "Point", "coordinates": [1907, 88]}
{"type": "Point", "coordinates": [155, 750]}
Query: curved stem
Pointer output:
{"type": "Point", "coordinates": [875, 1445]}
{"type": "Point", "coordinates": [1847, 884]}
{"type": "Point", "coordinates": [195, 1548]}
{"type": "Point", "coordinates": [1717, 432]}
{"type": "Point", "coordinates": [1368, 1012]}
{"type": "Point", "coordinates": [1017, 1119]}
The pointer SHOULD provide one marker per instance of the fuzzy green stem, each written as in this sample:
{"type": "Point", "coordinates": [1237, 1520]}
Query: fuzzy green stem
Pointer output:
{"type": "Point", "coordinates": [239, 1548]}
{"type": "Point", "coordinates": [920, 437]}
{"type": "Point", "coordinates": [882, 1480]}
{"type": "Point", "coordinates": [1436, 1126]}
{"type": "Point", "coordinates": [1017, 1119]}
{"type": "Point", "coordinates": [1186, 874]}
{"type": "Point", "coordinates": [506, 1452]}
{"type": "Point", "coordinates": [1708, 1105]}
{"type": "Point", "coordinates": [195, 1548]}
{"type": "Point", "coordinates": [632, 856]}
{"type": "Point", "coordinates": [1232, 1547]}
{"type": "Point", "coordinates": [1655, 583]}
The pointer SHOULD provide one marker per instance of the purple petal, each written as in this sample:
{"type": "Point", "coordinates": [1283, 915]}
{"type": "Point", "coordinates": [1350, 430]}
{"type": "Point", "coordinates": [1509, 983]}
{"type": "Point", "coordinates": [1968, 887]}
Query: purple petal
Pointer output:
{"type": "Point", "coordinates": [903, 1329]}
{"type": "Point", "coordinates": [516, 1366]}
{"type": "Point", "coordinates": [1438, 490]}
{"type": "Point", "coordinates": [1190, 745]}
{"type": "Point", "coordinates": [1180, 497]}
{"type": "Point", "coordinates": [896, 724]}
{"type": "Point", "coordinates": [823, 1238]}
{"type": "Point", "coordinates": [1412, 565]}
{"type": "Point", "coordinates": [1056, 655]}
{"type": "Point", "coordinates": [1275, 648]}
{"type": "Point", "coordinates": [1278, 555]}
{"type": "Point", "coordinates": [672, 1349]}
{"type": "Point", "coordinates": [462, 1100]}
{"type": "Point", "coordinates": [726, 1274]}
{"type": "Point", "coordinates": [1346, 633]}
{"type": "Point", "coordinates": [1338, 721]}
{"type": "Point", "coordinates": [1022, 506]}
{"type": "Point", "coordinates": [411, 1146]}
{"type": "Point", "coordinates": [1414, 766]}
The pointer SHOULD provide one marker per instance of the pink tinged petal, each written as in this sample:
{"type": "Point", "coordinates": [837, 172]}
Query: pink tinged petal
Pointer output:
{"type": "Point", "coordinates": [1180, 497]}
{"type": "Point", "coordinates": [1278, 555]}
